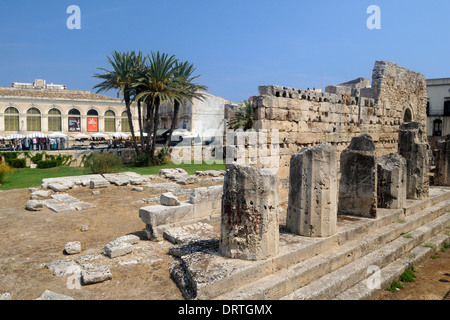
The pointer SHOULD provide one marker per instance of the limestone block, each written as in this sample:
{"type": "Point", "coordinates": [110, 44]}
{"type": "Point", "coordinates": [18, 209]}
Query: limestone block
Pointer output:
{"type": "Point", "coordinates": [72, 247]}
{"type": "Point", "coordinates": [312, 205]}
{"type": "Point", "coordinates": [169, 199]}
{"type": "Point", "coordinates": [154, 216]}
{"type": "Point", "coordinates": [116, 249]}
{"type": "Point", "coordinates": [413, 146]}
{"type": "Point", "coordinates": [62, 268]}
{"type": "Point", "coordinates": [358, 183]}
{"type": "Point", "coordinates": [92, 273]}
{"type": "Point", "coordinates": [442, 173]}
{"type": "Point", "coordinates": [50, 295]}
{"type": "Point", "coordinates": [249, 227]}
{"type": "Point", "coordinates": [98, 183]}
{"type": "Point", "coordinates": [391, 175]}
{"type": "Point", "coordinates": [34, 205]}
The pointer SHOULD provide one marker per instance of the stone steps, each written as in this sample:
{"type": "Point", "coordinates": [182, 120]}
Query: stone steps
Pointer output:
{"type": "Point", "coordinates": [342, 279]}
{"type": "Point", "coordinates": [349, 246]}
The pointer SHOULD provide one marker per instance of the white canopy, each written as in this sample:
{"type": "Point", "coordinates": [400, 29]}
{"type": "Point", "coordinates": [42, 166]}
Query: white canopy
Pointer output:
{"type": "Point", "coordinates": [119, 135]}
{"type": "Point", "coordinates": [100, 135]}
{"type": "Point", "coordinates": [37, 135]}
{"type": "Point", "coordinates": [57, 135]}
{"type": "Point", "coordinates": [80, 136]}
{"type": "Point", "coordinates": [15, 136]}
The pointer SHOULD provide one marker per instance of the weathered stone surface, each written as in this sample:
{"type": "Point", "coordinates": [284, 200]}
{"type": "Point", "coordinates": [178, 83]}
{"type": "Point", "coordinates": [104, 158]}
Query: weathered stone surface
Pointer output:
{"type": "Point", "coordinates": [159, 215]}
{"type": "Point", "coordinates": [137, 189]}
{"type": "Point", "coordinates": [64, 197]}
{"type": "Point", "coordinates": [5, 296]}
{"type": "Point", "coordinates": [249, 228]}
{"type": "Point", "coordinates": [82, 205]}
{"type": "Point", "coordinates": [50, 295]}
{"type": "Point", "coordinates": [92, 273]}
{"type": "Point", "coordinates": [391, 175]}
{"type": "Point", "coordinates": [358, 183]}
{"type": "Point", "coordinates": [413, 146]}
{"type": "Point", "coordinates": [187, 180]}
{"type": "Point", "coordinates": [189, 233]}
{"type": "Point", "coordinates": [312, 206]}
{"type": "Point", "coordinates": [58, 187]}
{"type": "Point", "coordinates": [73, 247]}
{"type": "Point", "coordinates": [168, 199]}
{"type": "Point", "coordinates": [62, 268]}
{"type": "Point", "coordinates": [173, 174]}
{"type": "Point", "coordinates": [34, 205]}
{"type": "Point", "coordinates": [57, 206]}
{"type": "Point", "coordinates": [442, 172]}
{"type": "Point", "coordinates": [40, 194]}
{"type": "Point", "coordinates": [120, 246]}
{"type": "Point", "coordinates": [98, 183]}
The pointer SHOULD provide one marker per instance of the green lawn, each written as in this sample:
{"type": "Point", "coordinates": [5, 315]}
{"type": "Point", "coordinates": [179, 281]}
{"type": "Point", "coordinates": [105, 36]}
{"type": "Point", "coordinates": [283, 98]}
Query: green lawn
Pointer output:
{"type": "Point", "coordinates": [27, 178]}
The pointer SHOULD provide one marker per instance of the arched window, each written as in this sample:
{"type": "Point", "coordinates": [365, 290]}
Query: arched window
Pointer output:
{"type": "Point", "coordinates": [124, 122]}
{"type": "Point", "coordinates": [408, 116]}
{"type": "Point", "coordinates": [33, 120]}
{"type": "Point", "coordinates": [74, 120]}
{"type": "Point", "coordinates": [110, 121]}
{"type": "Point", "coordinates": [11, 119]}
{"type": "Point", "coordinates": [92, 121]}
{"type": "Point", "coordinates": [54, 120]}
{"type": "Point", "coordinates": [437, 128]}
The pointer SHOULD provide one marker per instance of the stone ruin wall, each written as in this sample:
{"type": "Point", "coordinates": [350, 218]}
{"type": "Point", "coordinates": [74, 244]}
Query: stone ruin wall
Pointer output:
{"type": "Point", "coordinates": [308, 118]}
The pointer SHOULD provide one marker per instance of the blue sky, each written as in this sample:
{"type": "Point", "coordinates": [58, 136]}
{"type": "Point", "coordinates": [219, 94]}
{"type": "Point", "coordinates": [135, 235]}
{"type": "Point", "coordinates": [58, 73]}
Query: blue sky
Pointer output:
{"type": "Point", "coordinates": [235, 45]}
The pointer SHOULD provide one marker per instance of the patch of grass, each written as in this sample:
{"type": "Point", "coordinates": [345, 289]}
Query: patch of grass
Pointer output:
{"type": "Point", "coordinates": [435, 256]}
{"type": "Point", "coordinates": [408, 236]}
{"type": "Point", "coordinates": [400, 221]}
{"type": "Point", "coordinates": [27, 178]}
{"type": "Point", "coordinates": [395, 286]}
{"type": "Point", "coordinates": [408, 276]}
{"type": "Point", "coordinates": [429, 245]}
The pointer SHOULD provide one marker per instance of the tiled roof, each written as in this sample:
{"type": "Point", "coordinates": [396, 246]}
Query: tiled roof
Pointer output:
{"type": "Point", "coordinates": [56, 94]}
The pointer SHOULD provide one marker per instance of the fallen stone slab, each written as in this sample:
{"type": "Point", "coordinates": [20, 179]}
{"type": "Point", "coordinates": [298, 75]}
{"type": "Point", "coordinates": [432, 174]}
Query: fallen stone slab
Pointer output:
{"type": "Point", "coordinates": [79, 206]}
{"type": "Point", "coordinates": [120, 246]}
{"type": "Point", "coordinates": [62, 268]}
{"type": "Point", "coordinates": [34, 205]}
{"type": "Point", "coordinates": [190, 233]}
{"type": "Point", "coordinates": [93, 273]}
{"type": "Point", "coordinates": [88, 258]}
{"type": "Point", "coordinates": [58, 187]}
{"type": "Point", "coordinates": [57, 206]}
{"type": "Point", "coordinates": [65, 198]}
{"type": "Point", "coordinates": [99, 183]}
{"type": "Point", "coordinates": [137, 189]}
{"type": "Point", "coordinates": [185, 180]}
{"type": "Point", "coordinates": [5, 296]}
{"type": "Point", "coordinates": [40, 193]}
{"type": "Point", "coordinates": [169, 199]}
{"type": "Point", "coordinates": [73, 247]}
{"type": "Point", "coordinates": [210, 173]}
{"type": "Point", "coordinates": [50, 295]}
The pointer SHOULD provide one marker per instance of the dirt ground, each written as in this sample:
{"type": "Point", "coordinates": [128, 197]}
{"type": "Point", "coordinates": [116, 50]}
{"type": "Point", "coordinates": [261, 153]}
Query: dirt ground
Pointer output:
{"type": "Point", "coordinates": [30, 240]}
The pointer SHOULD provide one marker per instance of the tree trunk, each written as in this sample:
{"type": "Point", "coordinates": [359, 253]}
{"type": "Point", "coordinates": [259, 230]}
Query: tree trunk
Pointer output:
{"type": "Point", "coordinates": [130, 121]}
{"type": "Point", "coordinates": [176, 110]}
{"type": "Point", "coordinates": [140, 125]}
{"type": "Point", "coordinates": [155, 124]}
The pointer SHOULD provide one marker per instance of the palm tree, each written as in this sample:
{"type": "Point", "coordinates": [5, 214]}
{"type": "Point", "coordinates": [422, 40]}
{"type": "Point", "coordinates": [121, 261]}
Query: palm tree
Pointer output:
{"type": "Point", "coordinates": [186, 91]}
{"type": "Point", "coordinates": [121, 78]}
{"type": "Point", "coordinates": [156, 85]}
{"type": "Point", "coordinates": [242, 118]}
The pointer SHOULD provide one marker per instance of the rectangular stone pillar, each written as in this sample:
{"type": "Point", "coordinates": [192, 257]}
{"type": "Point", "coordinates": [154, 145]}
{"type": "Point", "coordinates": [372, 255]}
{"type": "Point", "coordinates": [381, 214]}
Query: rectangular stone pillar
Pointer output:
{"type": "Point", "coordinates": [358, 183]}
{"type": "Point", "coordinates": [250, 228]}
{"type": "Point", "coordinates": [413, 146]}
{"type": "Point", "coordinates": [391, 188]}
{"type": "Point", "coordinates": [312, 206]}
{"type": "Point", "coordinates": [442, 173]}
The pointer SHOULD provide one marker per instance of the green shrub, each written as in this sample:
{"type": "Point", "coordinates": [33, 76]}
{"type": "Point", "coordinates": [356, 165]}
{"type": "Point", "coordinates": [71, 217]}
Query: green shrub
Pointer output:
{"type": "Point", "coordinates": [103, 163]}
{"type": "Point", "coordinates": [395, 286]}
{"type": "Point", "coordinates": [18, 163]}
{"type": "Point", "coordinates": [4, 170]}
{"type": "Point", "coordinates": [408, 276]}
{"type": "Point", "coordinates": [45, 164]}
{"type": "Point", "coordinates": [142, 160]}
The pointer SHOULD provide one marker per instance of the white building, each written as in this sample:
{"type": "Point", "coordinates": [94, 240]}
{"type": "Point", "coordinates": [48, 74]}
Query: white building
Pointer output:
{"type": "Point", "coordinates": [438, 108]}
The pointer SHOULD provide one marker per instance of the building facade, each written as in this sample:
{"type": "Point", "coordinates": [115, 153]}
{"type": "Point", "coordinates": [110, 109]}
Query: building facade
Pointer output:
{"type": "Point", "coordinates": [438, 108]}
{"type": "Point", "coordinates": [48, 108]}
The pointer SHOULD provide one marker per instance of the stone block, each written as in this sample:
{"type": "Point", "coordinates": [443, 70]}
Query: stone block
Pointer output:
{"type": "Point", "coordinates": [169, 199]}
{"type": "Point", "coordinates": [98, 183]}
{"type": "Point", "coordinates": [92, 273]}
{"type": "Point", "coordinates": [62, 268]}
{"type": "Point", "coordinates": [413, 146]}
{"type": "Point", "coordinates": [34, 205]}
{"type": "Point", "coordinates": [249, 226]}
{"type": "Point", "coordinates": [358, 183]}
{"type": "Point", "coordinates": [155, 216]}
{"type": "Point", "coordinates": [72, 247]}
{"type": "Point", "coordinates": [50, 295]}
{"type": "Point", "coordinates": [391, 175]}
{"type": "Point", "coordinates": [312, 205]}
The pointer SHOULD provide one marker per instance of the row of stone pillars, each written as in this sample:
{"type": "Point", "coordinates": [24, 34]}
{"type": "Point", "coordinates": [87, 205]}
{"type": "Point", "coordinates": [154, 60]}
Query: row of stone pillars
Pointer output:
{"type": "Point", "coordinates": [250, 226]}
